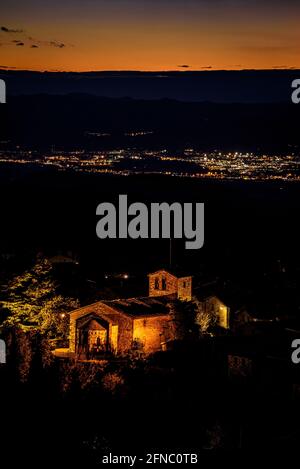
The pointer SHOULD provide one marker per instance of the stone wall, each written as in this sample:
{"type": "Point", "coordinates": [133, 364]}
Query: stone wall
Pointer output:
{"type": "Point", "coordinates": [151, 332]}
{"type": "Point", "coordinates": [120, 338]}
{"type": "Point", "coordinates": [162, 283]}
{"type": "Point", "coordinates": [184, 291]}
{"type": "Point", "coordinates": [123, 330]}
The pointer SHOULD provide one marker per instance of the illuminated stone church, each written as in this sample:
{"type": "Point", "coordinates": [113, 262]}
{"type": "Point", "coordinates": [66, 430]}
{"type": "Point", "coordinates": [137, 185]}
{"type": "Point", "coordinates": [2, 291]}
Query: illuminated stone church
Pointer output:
{"type": "Point", "coordinates": [117, 326]}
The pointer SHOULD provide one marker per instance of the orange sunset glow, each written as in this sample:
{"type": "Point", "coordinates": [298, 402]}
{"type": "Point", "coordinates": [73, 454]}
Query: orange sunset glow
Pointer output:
{"type": "Point", "coordinates": [148, 35]}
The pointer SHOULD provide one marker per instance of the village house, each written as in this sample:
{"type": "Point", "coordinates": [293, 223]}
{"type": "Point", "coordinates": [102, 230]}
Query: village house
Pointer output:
{"type": "Point", "coordinates": [117, 326]}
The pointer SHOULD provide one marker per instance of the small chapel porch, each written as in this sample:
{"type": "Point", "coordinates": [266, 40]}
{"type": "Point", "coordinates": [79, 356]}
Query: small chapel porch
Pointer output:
{"type": "Point", "coordinates": [93, 338]}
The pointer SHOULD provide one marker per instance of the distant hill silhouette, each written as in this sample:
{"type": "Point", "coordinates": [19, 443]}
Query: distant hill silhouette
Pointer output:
{"type": "Point", "coordinates": [247, 86]}
{"type": "Point", "coordinates": [74, 119]}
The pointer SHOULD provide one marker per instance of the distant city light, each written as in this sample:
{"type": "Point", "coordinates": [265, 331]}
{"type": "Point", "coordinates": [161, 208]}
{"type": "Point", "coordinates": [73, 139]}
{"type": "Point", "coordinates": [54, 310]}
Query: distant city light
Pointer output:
{"type": "Point", "coordinates": [191, 163]}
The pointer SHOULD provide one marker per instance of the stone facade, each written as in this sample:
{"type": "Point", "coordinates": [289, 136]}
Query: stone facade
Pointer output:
{"type": "Point", "coordinates": [151, 332]}
{"type": "Point", "coordinates": [120, 331]}
{"type": "Point", "coordinates": [117, 326]}
{"type": "Point", "coordinates": [184, 288]}
{"type": "Point", "coordinates": [164, 283]}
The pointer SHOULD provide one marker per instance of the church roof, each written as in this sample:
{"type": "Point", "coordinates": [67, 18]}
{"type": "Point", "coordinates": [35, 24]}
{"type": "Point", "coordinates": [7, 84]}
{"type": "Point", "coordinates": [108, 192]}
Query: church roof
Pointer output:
{"type": "Point", "coordinates": [142, 306]}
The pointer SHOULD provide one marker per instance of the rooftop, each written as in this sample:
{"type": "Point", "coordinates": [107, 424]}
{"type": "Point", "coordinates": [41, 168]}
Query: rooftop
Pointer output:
{"type": "Point", "coordinates": [143, 306]}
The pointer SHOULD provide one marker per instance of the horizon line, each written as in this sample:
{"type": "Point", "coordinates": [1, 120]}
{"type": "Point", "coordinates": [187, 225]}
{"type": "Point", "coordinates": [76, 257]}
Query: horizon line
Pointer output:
{"type": "Point", "coordinates": [14, 69]}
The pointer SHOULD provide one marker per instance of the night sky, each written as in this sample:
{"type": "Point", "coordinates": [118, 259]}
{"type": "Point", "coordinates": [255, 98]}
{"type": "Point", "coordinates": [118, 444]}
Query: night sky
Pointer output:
{"type": "Point", "coordinates": [149, 34]}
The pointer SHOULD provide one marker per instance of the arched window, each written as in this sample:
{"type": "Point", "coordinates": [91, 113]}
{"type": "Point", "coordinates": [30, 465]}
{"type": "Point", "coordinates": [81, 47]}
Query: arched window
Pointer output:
{"type": "Point", "coordinates": [156, 283]}
{"type": "Point", "coordinates": [163, 283]}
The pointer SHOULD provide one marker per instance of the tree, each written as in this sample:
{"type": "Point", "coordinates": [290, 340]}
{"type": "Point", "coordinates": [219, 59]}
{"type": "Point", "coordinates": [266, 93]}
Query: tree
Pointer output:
{"type": "Point", "coordinates": [31, 301]}
{"type": "Point", "coordinates": [189, 318]}
{"type": "Point", "coordinates": [205, 319]}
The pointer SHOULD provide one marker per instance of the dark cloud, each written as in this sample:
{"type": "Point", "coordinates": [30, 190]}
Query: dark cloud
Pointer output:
{"type": "Point", "coordinates": [36, 42]}
{"type": "Point", "coordinates": [183, 66]}
{"type": "Point", "coordinates": [60, 45]}
{"type": "Point", "coordinates": [208, 67]}
{"type": "Point", "coordinates": [8, 30]}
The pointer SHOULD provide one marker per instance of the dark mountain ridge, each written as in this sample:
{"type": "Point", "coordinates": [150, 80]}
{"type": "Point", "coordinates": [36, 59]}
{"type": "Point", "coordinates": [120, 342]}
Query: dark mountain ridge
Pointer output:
{"type": "Point", "coordinates": [101, 122]}
{"type": "Point", "coordinates": [245, 86]}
